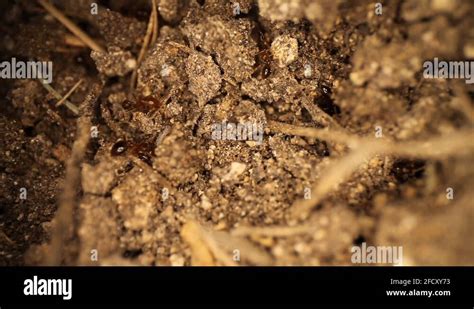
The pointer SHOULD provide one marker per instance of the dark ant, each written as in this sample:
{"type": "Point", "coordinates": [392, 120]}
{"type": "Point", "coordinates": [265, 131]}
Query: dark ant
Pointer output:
{"type": "Point", "coordinates": [143, 150]}
{"type": "Point", "coordinates": [119, 148]}
{"type": "Point", "coordinates": [263, 58]}
{"type": "Point", "coordinates": [147, 104]}
{"type": "Point", "coordinates": [325, 102]}
{"type": "Point", "coordinates": [127, 104]}
{"type": "Point", "coordinates": [144, 104]}
{"type": "Point", "coordinates": [125, 168]}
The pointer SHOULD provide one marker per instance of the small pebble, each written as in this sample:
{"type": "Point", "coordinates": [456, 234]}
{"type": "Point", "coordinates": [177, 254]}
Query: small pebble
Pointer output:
{"type": "Point", "coordinates": [285, 50]}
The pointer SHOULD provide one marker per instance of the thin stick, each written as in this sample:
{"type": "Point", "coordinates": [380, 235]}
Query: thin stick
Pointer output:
{"type": "Point", "coordinates": [192, 234]}
{"type": "Point", "coordinates": [455, 143]}
{"type": "Point", "coordinates": [58, 96]}
{"type": "Point", "coordinates": [72, 40]}
{"type": "Point", "coordinates": [65, 212]}
{"type": "Point", "coordinates": [51, 90]}
{"type": "Point", "coordinates": [84, 37]}
{"type": "Point", "coordinates": [64, 218]}
{"type": "Point", "coordinates": [273, 231]}
{"type": "Point", "coordinates": [324, 134]}
{"type": "Point", "coordinates": [146, 39]}
{"type": "Point", "coordinates": [331, 178]}
{"type": "Point", "coordinates": [146, 42]}
{"type": "Point", "coordinates": [155, 22]}
{"type": "Point", "coordinates": [439, 146]}
{"type": "Point", "coordinates": [6, 237]}
{"type": "Point", "coordinates": [67, 95]}
{"type": "Point", "coordinates": [319, 116]}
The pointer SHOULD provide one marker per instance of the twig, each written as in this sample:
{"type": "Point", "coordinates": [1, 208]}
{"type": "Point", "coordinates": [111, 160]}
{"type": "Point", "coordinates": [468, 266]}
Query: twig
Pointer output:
{"type": "Point", "coordinates": [324, 134]}
{"type": "Point", "coordinates": [65, 212]}
{"type": "Point", "coordinates": [72, 40]}
{"type": "Point", "coordinates": [71, 26]}
{"type": "Point", "coordinates": [4, 235]}
{"type": "Point", "coordinates": [64, 218]}
{"type": "Point", "coordinates": [58, 96]}
{"type": "Point", "coordinates": [155, 22]}
{"type": "Point", "coordinates": [67, 95]}
{"type": "Point", "coordinates": [455, 143]}
{"type": "Point", "coordinates": [192, 234]}
{"type": "Point", "coordinates": [207, 244]}
{"type": "Point", "coordinates": [330, 178]}
{"type": "Point", "coordinates": [273, 231]}
{"type": "Point", "coordinates": [222, 243]}
{"type": "Point", "coordinates": [149, 35]}
{"type": "Point", "coordinates": [319, 116]}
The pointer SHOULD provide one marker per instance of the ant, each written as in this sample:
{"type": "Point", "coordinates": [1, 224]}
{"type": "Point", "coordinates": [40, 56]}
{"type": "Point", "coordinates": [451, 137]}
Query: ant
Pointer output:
{"type": "Point", "coordinates": [144, 104]}
{"type": "Point", "coordinates": [263, 58]}
{"type": "Point", "coordinates": [142, 150]}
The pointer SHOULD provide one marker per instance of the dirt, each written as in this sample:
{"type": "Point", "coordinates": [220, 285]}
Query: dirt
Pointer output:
{"type": "Point", "coordinates": [153, 185]}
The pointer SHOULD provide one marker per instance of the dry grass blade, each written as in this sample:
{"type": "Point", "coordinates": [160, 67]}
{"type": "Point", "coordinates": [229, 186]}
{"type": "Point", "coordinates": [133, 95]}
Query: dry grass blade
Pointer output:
{"type": "Point", "coordinates": [207, 244]}
{"type": "Point", "coordinates": [223, 244]}
{"type": "Point", "coordinates": [4, 236]}
{"type": "Point", "coordinates": [150, 36]}
{"type": "Point", "coordinates": [191, 232]}
{"type": "Point", "coordinates": [154, 13]}
{"type": "Point", "coordinates": [59, 97]}
{"type": "Point", "coordinates": [73, 41]}
{"type": "Point", "coordinates": [273, 231]}
{"type": "Point", "coordinates": [84, 37]}
{"type": "Point", "coordinates": [70, 92]}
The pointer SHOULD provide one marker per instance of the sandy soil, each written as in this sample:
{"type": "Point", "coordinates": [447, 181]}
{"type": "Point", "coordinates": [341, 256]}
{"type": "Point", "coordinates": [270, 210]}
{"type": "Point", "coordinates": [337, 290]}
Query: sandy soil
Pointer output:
{"type": "Point", "coordinates": [355, 145]}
